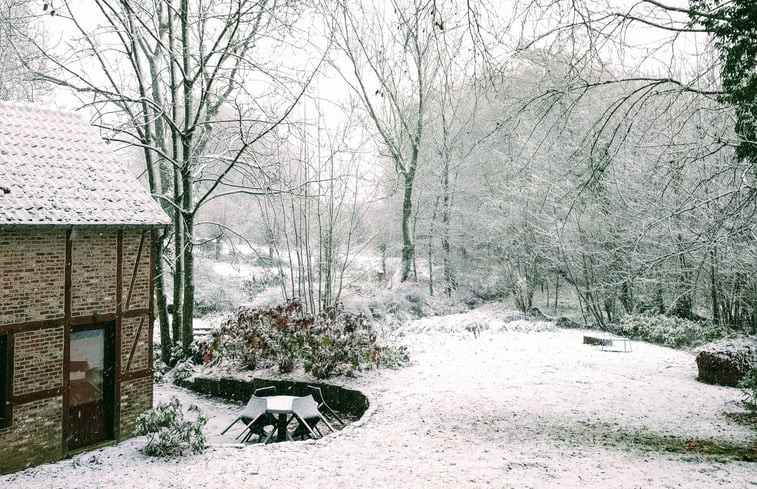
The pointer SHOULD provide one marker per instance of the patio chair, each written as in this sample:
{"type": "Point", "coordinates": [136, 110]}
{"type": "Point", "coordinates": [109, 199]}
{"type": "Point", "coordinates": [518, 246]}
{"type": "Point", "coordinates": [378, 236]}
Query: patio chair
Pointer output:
{"type": "Point", "coordinates": [322, 406]}
{"type": "Point", "coordinates": [255, 419]}
{"type": "Point", "coordinates": [265, 391]}
{"type": "Point", "coordinates": [305, 410]}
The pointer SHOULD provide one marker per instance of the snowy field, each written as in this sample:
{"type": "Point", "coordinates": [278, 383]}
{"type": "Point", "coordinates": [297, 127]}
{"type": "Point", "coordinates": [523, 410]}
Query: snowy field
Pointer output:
{"type": "Point", "coordinates": [512, 408]}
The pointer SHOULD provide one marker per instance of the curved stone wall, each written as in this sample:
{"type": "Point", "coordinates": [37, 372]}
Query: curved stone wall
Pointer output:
{"type": "Point", "coordinates": [342, 400]}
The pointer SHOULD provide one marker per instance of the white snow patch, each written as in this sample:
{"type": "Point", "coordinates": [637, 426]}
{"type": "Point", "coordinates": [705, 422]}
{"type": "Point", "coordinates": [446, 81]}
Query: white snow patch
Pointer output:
{"type": "Point", "coordinates": [479, 321]}
{"type": "Point", "coordinates": [240, 270]}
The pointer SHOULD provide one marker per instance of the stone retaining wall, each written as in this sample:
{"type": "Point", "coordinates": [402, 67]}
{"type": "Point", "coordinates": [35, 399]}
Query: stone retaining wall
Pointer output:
{"type": "Point", "coordinates": [340, 399]}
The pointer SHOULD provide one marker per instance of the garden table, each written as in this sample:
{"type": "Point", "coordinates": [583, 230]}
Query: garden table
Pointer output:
{"type": "Point", "coordinates": [281, 406]}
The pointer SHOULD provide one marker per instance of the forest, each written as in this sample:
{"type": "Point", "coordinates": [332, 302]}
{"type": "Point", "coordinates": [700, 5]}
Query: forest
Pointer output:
{"type": "Point", "coordinates": [605, 151]}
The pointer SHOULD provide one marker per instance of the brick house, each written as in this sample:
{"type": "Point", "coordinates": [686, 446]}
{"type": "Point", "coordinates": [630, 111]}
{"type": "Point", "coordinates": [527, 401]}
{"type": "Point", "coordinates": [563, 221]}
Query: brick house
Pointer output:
{"type": "Point", "coordinates": [76, 275]}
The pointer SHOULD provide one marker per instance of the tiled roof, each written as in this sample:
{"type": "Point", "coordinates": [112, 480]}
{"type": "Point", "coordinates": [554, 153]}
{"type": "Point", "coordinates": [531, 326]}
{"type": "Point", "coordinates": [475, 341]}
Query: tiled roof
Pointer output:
{"type": "Point", "coordinates": [56, 170]}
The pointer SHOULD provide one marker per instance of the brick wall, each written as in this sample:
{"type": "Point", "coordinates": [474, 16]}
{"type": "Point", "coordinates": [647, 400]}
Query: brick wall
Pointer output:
{"type": "Point", "coordinates": [136, 398]}
{"type": "Point", "coordinates": [38, 360]}
{"type": "Point", "coordinates": [35, 437]}
{"type": "Point", "coordinates": [93, 273]}
{"type": "Point", "coordinates": [31, 275]}
{"type": "Point", "coordinates": [32, 279]}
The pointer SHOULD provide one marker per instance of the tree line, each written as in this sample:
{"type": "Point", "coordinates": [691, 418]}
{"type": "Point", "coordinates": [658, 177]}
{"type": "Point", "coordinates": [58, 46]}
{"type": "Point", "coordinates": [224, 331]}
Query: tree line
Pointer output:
{"type": "Point", "coordinates": [494, 151]}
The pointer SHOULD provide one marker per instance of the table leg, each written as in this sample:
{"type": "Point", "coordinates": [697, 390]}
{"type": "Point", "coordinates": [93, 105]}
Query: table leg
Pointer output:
{"type": "Point", "coordinates": [281, 428]}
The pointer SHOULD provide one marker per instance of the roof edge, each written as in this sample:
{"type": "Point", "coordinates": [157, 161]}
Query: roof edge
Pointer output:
{"type": "Point", "coordinates": [5, 227]}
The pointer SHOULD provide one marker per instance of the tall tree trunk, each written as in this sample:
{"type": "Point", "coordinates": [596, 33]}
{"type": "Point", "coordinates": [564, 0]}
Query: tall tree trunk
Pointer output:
{"type": "Point", "coordinates": [382, 248]}
{"type": "Point", "coordinates": [714, 285]}
{"type": "Point", "coordinates": [408, 250]}
{"type": "Point", "coordinates": [187, 218]}
{"type": "Point", "coordinates": [431, 249]}
{"type": "Point", "coordinates": [178, 224]}
{"type": "Point", "coordinates": [178, 269]}
{"type": "Point", "coordinates": [187, 333]}
{"type": "Point", "coordinates": [449, 274]}
{"type": "Point", "coordinates": [160, 297]}
{"type": "Point", "coordinates": [557, 289]}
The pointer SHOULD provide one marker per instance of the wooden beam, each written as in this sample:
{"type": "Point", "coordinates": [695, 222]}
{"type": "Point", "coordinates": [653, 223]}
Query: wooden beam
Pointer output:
{"type": "Point", "coordinates": [135, 313]}
{"type": "Point", "coordinates": [117, 335]}
{"type": "Point", "coordinates": [67, 284]}
{"type": "Point", "coordinates": [135, 270]}
{"type": "Point", "coordinates": [134, 345]}
{"type": "Point", "coordinates": [151, 303]}
{"type": "Point", "coordinates": [93, 318]}
{"type": "Point", "coordinates": [8, 408]}
{"type": "Point", "coordinates": [139, 374]}
{"type": "Point", "coordinates": [31, 326]}
{"type": "Point", "coordinates": [37, 396]}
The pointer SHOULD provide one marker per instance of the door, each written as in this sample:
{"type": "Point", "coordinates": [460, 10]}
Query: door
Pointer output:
{"type": "Point", "coordinates": [90, 374]}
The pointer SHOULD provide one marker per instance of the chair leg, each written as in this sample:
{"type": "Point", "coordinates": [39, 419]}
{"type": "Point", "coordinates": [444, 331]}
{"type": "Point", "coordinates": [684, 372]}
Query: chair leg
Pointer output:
{"type": "Point", "coordinates": [309, 428]}
{"type": "Point", "coordinates": [229, 427]}
{"type": "Point", "coordinates": [326, 422]}
{"type": "Point", "coordinates": [332, 413]}
{"type": "Point", "coordinates": [270, 436]}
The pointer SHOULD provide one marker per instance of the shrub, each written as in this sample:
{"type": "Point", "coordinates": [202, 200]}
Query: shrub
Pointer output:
{"type": "Point", "coordinates": [212, 300]}
{"type": "Point", "coordinates": [261, 337]}
{"type": "Point", "coordinates": [748, 386]}
{"type": "Point", "coordinates": [522, 295]}
{"type": "Point", "coordinates": [335, 339]}
{"type": "Point", "coordinates": [727, 361]}
{"type": "Point", "coordinates": [285, 335]}
{"type": "Point", "coordinates": [169, 432]}
{"type": "Point", "coordinates": [666, 330]}
{"type": "Point", "coordinates": [392, 357]}
{"type": "Point", "coordinates": [183, 370]}
{"type": "Point", "coordinates": [159, 367]}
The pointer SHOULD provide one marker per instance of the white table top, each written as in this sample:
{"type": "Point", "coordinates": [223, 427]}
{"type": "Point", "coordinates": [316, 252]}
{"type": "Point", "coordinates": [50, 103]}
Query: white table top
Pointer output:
{"type": "Point", "coordinates": [279, 404]}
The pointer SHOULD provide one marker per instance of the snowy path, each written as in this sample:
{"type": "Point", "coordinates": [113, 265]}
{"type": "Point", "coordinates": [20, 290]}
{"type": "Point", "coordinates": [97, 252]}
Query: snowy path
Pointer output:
{"type": "Point", "coordinates": [510, 409]}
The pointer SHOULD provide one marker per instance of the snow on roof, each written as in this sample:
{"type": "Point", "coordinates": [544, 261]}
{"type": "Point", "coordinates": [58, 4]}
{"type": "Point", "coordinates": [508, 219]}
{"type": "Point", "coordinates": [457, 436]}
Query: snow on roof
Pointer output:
{"type": "Point", "coordinates": [55, 170]}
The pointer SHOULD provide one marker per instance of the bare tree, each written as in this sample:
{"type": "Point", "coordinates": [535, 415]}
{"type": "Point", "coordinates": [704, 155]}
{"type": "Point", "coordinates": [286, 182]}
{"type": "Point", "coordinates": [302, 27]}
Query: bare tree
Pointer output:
{"type": "Point", "coordinates": [191, 84]}
{"type": "Point", "coordinates": [17, 53]}
{"type": "Point", "coordinates": [389, 49]}
{"type": "Point", "coordinates": [317, 219]}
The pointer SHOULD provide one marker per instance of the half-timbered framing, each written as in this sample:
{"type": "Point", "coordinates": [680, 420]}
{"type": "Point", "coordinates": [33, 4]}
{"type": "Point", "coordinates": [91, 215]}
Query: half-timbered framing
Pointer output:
{"type": "Point", "coordinates": [76, 281]}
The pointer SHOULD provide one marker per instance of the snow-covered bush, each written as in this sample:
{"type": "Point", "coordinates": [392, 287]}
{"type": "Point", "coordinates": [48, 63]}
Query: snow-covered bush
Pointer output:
{"type": "Point", "coordinates": [338, 338]}
{"type": "Point", "coordinates": [261, 337]}
{"type": "Point", "coordinates": [727, 361]}
{"type": "Point", "coordinates": [183, 370]}
{"type": "Point", "coordinates": [169, 433]}
{"type": "Point", "coordinates": [393, 358]}
{"type": "Point", "coordinates": [669, 331]}
{"type": "Point", "coordinates": [748, 386]}
{"type": "Point", "coordinates": [219, 293]}
{"type": "Point", "coordinates": [212, 299]}
{"type": "Point", "coordinates": [411, 301]}
{"type": "Point", "coordinates": [159, 366]}
{"type": "Point", "coordinates": [522, 295]}
{"type": "Point", "coordinates": [330, 342]}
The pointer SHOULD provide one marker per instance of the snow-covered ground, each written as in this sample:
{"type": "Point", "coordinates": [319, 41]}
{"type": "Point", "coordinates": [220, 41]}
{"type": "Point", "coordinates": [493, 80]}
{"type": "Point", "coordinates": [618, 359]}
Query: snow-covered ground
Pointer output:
{"type": "Point", "coordinates": [511, 408]}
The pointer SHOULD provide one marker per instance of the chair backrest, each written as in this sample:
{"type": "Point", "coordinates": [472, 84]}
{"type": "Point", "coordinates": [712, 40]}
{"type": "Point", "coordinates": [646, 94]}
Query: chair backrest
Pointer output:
{"type": "Point", "coordinates": [306, 407]}
{"type": "Point", "coordinates": [265, 391]}
{"type": "Point", "coordinates": [316, 393]}
{"type": "Point", "coordinates": [255, 407]}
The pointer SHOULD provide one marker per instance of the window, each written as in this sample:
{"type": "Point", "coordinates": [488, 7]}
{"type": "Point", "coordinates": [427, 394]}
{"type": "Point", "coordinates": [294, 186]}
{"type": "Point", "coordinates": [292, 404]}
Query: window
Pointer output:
{"type": "Point", "coordinates": [5, 382]}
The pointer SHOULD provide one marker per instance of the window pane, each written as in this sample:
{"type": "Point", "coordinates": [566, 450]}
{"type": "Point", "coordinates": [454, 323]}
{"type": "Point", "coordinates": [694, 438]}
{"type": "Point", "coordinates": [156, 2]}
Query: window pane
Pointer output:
{"type": "Point", "coordinates": [86, 366]}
